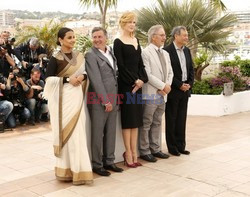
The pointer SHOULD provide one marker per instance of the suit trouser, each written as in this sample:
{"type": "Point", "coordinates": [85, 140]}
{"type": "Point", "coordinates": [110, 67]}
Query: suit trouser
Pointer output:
{"type": "Point", "coordinates": [103, 135]}
{"type": "Point", "coordinates": [150, 132]}
{"type": "Point", "coordinates": [175, 116]}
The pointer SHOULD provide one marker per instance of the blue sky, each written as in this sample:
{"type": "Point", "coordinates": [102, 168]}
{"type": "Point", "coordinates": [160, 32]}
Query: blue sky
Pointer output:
{"type": "Point", "coordinates": [72, 6]}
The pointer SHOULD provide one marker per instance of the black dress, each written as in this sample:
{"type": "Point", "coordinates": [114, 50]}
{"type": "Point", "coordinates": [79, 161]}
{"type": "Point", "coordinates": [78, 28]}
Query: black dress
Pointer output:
{"type": "Point", "coordinates": [130, 68]}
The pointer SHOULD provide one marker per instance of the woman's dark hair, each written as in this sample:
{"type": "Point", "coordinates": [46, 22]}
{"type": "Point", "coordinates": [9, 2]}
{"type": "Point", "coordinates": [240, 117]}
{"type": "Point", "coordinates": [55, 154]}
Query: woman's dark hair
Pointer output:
{"type": "Point", "coordinates": [61, 34]}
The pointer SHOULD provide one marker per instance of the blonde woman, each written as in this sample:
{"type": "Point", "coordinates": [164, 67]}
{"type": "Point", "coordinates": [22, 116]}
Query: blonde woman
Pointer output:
{"type": "Point", "coordinates": [132, 76]}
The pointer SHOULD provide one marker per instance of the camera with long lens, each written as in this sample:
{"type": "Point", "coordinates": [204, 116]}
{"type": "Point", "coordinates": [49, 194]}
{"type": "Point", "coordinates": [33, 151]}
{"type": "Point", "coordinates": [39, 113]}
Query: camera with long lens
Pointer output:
{"type": "Point", "coordinates": [18, 106]}
{"type": "Point", "coordinates": [18, 74]}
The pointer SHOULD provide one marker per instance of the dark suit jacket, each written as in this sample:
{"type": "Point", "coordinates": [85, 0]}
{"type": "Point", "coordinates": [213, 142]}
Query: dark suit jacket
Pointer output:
{"type": "Point", "coordinates": [176, 66]}
{"type": "Point", "coordinates": [103, 78]}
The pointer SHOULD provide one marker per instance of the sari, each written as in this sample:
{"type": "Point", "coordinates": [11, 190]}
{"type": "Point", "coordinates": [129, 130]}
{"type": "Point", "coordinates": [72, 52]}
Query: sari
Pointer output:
{"type": "Point", "coordinates": [70, 122]}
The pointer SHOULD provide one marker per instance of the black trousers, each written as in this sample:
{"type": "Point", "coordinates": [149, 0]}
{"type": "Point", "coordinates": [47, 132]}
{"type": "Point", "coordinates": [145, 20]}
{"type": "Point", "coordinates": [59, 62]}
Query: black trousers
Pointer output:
{"type": "Point", "coordinates": [175, 116]}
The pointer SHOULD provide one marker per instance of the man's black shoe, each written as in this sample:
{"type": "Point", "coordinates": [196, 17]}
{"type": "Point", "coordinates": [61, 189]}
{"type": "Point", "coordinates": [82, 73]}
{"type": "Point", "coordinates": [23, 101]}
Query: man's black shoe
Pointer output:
{"type": "Point", "coordinates": [113, 168]}
{"type": "Point", "coordinates": [149, 158]}
{"type": "Point", "coordinates": [174, 152]}
{"type": "Point", "coordinates": [184, 152]}
{"type": "Point", "coordinates": [101, 171]}
{"type": "Point", "coordinates": [161, 155]}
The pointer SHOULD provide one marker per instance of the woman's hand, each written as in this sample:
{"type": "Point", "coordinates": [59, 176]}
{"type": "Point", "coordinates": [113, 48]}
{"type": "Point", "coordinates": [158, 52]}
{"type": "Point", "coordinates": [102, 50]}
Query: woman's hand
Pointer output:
{"type": "Point", "coordinates": [80, 78]}
{"type": "Point", "coordinates": [74, 81]}
{"type": "Point", "coordinates": [139, 83]}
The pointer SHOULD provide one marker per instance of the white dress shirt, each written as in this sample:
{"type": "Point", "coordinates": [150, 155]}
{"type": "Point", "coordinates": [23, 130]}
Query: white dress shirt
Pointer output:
{"type": "Point", "coordinates": [182, 60]}
{"type": "Point", "coordinates": [108, 55]}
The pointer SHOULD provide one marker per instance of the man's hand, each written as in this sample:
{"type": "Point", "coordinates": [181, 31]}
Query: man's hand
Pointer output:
{"type": "Point", "coordinates": [36, 87]}
{"type": "Point", "coordinates": [20, 80]}
{"type": "Point", "coordinates": [167, 89]}
{"type": "Point", "coordinates": [24, 64]}
{"type": "Point", "coordinates": [185, 87]}
{"type": "Point", "coordinates": [108, 107]}
{"type": "Point", "coordinates": [40, 95]}
{"type": "Point", "coordinates": [161, 92]}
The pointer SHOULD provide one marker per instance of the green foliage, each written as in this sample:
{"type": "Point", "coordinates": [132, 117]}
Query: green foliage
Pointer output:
{"type": "Point", "coordinates": [219, 4]}
{"type": "Point", "coordinates": [200, 59]}
{"type": "Point", "coordinates": [83, 43]}
{"type": "Point", "coordinates": [200, 18]}
{"type": "Point", "coordinates": [204, 87]}
{"type": "Point", "coordinates": [245, 67]}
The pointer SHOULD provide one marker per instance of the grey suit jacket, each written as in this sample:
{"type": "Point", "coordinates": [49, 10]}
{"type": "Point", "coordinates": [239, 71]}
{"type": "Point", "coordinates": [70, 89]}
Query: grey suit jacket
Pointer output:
{"type": "Point", "coordinates": [103, 86]}
{"type": "Point", "coordinates": [156, 78]}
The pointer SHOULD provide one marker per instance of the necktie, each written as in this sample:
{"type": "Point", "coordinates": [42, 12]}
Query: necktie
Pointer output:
{"type": "Point", "coordinates": [163, 63]}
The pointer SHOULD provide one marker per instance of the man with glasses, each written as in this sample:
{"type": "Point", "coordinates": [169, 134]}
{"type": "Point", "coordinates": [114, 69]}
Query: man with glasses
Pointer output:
{"type": "Point", "coordinates": [176, 106]}
{"type": "Point", "coordinates": [160, 75]}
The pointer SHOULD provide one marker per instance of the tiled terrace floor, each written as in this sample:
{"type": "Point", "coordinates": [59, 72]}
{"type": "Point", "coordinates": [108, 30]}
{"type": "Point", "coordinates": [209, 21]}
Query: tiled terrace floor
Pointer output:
{"type": "Point", "coordinates": [219, 165]}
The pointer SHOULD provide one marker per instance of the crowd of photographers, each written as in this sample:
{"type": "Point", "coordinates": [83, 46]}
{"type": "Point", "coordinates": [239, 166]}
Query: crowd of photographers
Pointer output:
{"type": "Point", "coordinates": [22, 70]}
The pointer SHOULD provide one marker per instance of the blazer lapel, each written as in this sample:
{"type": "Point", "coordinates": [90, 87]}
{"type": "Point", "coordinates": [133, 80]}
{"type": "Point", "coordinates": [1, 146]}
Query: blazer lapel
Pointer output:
{"type": "Point", "coordinates": [187, 59]}
{"type": "Point", "coordinates": [154, 54]}
{"type": "Point", "coordinates": [114, 61]}
{"type": "Point", "coordinates": [175, 56]}
{"type": "Point", "coordinates": [100, 55]}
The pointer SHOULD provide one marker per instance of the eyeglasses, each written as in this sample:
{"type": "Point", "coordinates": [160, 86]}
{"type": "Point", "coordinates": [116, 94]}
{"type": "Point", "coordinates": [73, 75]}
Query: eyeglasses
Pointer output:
{"type": "Point", "coordinates": [5, 32]}
{"type": "Point", "coordinates": [162, 35]}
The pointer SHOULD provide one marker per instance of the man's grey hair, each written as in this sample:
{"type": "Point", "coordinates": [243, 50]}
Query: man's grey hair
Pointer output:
{"type": "Point", "coordinates": [95, 29]}
{"type": "Point", "coordinates": [34, 41]}
{"type": "Point", "coordinates": [177, 30]}
{"type": "Point", "coordinates": [152, 31]}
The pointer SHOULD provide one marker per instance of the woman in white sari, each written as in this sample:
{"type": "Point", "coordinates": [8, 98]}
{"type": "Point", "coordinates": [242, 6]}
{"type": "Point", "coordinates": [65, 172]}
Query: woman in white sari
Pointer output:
{"type": "Point", "coordinates": [64, 90]}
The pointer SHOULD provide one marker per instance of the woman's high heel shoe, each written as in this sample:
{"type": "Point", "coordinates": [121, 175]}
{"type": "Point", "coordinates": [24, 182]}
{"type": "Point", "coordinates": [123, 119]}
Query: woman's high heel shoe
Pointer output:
{"type": "Point", "coordinates": [126, 163]}
{"type": "Point", "coordinates": [138, 164]}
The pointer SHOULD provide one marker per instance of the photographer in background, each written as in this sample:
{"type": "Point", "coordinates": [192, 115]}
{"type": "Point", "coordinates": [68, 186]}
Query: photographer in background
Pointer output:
{"type": "Point", "coordinates": [8, 43]}
{"type": "Point", "coordinates": [6, 61]}
{"type": "Point", "coordinates": [36, 104]}
{"type": "Point", "coordinates": [17, 95]}
{"type": "Point", "coordinates": [42, 65]}
{"type": "Point", "coordinates": [6, 107]}
{"type": "Point", "coordinates": [30, 53]}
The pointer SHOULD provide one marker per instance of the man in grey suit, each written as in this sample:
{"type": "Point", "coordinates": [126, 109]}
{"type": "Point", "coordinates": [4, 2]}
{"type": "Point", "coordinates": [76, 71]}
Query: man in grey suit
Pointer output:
{"type": "Point", "coordinates": [102, 71]}
{"type": "Point", "coordinates": [160, 74]}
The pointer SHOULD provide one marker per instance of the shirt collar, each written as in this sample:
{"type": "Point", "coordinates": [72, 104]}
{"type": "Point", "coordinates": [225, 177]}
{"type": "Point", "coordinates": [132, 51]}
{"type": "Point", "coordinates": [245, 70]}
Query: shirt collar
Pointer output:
{"type": "Point", "coordinates": [177, 48]}
{"type": "Point", "coordinates": [155, 47]}
{"type": "Point", "coordinates": [108, 50]}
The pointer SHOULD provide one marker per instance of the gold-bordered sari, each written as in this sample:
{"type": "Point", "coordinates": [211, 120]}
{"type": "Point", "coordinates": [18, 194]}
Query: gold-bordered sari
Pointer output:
{"type": "Point", "coordinates": [70, 123]}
